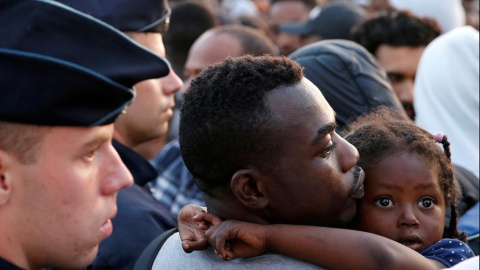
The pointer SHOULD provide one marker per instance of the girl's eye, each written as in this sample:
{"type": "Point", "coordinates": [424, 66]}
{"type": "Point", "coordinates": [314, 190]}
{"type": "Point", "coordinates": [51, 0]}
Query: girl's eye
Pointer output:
{"type": "Point", "coordinates": [426, 203]}
{"type": "Point", "coordinates": [384, 202]}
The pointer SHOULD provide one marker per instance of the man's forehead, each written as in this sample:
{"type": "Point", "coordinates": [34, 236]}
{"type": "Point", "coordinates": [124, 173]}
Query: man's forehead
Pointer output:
{"type": "Point", "coordinates": [299, 100]}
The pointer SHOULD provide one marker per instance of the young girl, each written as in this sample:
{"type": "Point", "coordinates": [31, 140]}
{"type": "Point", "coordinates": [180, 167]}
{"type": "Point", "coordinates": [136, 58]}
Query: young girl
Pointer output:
{"type": "Point", "coordinates": [408, 185]}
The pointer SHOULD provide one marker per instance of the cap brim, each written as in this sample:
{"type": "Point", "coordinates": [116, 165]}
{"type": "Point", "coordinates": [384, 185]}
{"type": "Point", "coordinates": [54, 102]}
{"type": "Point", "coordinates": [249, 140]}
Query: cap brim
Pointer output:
{"type": "Point", "coordinates": [296, 28]}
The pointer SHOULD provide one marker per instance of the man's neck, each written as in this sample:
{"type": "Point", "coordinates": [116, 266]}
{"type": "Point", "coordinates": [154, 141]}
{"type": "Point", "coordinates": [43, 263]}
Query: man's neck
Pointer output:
{"type": "Point", "coordinates": [123, 139]}
{"type": "Point", "coordinates": [11, 251]}
{"type": "Point", "coordinates": [227, 208]}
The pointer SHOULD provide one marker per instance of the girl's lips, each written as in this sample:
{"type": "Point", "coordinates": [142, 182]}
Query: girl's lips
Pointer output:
{"type": "Point", "coordinates": [411, 241]}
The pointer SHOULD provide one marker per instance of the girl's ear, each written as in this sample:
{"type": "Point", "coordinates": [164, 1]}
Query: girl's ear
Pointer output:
{"type": "Point", "coordinates": [5, 179]}
{"type": "Point", "coordinates": [247, 188]}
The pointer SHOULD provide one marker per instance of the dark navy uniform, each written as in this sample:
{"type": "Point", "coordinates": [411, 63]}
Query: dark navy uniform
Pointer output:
{"type": "Point", "coordinates": [4, 265]}
{"type": "Point", "coordinates": [140, 218]}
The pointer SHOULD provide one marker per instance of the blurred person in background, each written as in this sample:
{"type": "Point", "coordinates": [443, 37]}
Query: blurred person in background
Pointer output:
{"type": "Point", "coordinates": [448, 13]}
{"type": "Point", "coordinates": [332, 21]}
{"type": "Point", "coordinates": [397, 39]}
{"type": "Point", "coordinates": [140, 217]}
{"type": "Point", "coordinates": [447, 100]}
{"type": "Point", "coordinates": [282, 11]}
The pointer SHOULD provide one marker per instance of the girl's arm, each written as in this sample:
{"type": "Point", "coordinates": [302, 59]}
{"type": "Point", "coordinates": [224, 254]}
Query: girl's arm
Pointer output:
{"type": "Point", "coordinates": [328, 247]}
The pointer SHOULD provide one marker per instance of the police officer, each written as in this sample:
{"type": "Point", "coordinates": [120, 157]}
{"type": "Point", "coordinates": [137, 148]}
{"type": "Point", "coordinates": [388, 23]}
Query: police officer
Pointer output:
{"type": "Point", "coordinates": [64, 79]}
{"type": "Point", "coordinates": [140, 216]}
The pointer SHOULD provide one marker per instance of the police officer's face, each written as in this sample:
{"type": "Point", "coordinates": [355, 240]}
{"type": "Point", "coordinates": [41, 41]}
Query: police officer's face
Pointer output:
{"type": "Point", "coordinates": [63, 202]}
{"type": "Point", "coordinates": [147, 117]}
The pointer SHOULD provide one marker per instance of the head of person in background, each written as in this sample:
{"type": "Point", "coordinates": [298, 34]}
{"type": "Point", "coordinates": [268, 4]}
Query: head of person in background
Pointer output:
{"type": "Point", "coordinates": [449, 15]}
{"type": "Point", "coordinates": [144, 21]}
{"type": "Point", "coordinates": [282, 11]}
{"type": "Point", "coordinates": [61, 92]}
{"type": "Point", "coordinates": [471, 8]}
{"type": "Point", "coordinates": [334, 21]}
{"type": "Point", "coordinates": [140, 217]}
{"type": "Point", "coordinates": [189, 20]}
{"type": "Point", "coordinates": [217, 44]}
{"type": "Point", "coordinates": [254, 22]}
{"type": "Point", "coordinates": [349, 77]}
{"type": "Point", "coordinates": [397, 39]}
{"type": "Point", "coordinates": [447, 95]}
{"type": "Point", "coordinates": [373, 7]}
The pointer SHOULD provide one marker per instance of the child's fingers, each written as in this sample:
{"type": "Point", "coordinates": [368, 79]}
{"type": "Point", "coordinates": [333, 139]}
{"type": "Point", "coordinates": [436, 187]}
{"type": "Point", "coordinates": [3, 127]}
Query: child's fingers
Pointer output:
{"type": "Point", "coordinates": [207, 218]}
{"type": "Point", "coordinates": [222, 248]}
{"type": "Point", "coordinates": [226, 255]}
{"type": "Point", "coordinates": [189, 246]}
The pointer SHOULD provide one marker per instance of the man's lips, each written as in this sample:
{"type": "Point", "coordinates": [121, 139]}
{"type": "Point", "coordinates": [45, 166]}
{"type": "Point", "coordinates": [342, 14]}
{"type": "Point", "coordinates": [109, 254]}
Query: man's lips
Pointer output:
{"type": "Point", "coordinates": [107, 227]}
{"type": "Point", "coordinates": [359, 190]}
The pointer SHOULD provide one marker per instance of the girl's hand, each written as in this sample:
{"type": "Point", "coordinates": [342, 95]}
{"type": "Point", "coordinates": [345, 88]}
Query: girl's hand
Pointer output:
{"type": "Point", "coordinates": [191, 231]}
{"type": "Point", "coordinates": [235, 239]}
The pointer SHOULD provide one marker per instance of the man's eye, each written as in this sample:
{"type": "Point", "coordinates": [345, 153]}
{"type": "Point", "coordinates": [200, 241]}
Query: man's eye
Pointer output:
{"type": "Point", "coordinates": [384, 202]}
{"type": "Point", "coordinates": [426, 203]}
{"type": "Point", "coordinates": [395, 78]}
{"type": "Point", "coordinates": [90, 155]}
{"type": "Point", "coordinates": [327, 150]}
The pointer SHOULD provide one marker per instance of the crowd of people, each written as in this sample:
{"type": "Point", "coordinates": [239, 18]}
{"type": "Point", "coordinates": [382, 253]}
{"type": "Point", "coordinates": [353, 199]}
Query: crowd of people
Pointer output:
{"type": "Point", "coordinates": [239, 134]}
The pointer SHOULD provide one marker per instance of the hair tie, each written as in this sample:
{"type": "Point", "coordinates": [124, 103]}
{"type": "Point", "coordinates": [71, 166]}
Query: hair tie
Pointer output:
{"type": "Point", "coordinates": [438, 137]}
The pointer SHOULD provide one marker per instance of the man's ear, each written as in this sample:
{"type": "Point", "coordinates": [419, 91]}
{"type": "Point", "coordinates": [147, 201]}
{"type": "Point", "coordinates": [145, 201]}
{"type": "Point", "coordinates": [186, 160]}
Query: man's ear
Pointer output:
{"type": "Point", "coordinates": [5, 181]}
{"type": "Point", "coordinates": [247, 188]}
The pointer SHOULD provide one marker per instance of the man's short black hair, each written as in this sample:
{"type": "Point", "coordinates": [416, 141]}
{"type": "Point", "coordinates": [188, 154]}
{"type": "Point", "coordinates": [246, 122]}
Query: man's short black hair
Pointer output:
{"type": "Point", "coordinates": [225, 121]}
{"type": "Point", "coordinates": [396, 28]}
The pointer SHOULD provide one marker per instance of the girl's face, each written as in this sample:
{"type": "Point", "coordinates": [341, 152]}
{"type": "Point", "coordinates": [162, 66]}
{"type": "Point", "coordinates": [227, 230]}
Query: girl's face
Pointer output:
{"type": "Point", "coordinates": [403, 201]}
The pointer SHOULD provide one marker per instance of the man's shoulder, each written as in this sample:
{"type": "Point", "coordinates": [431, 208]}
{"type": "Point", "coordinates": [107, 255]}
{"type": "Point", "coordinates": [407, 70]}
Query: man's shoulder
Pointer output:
{"type": "Point", "coordinates": [172, 256]}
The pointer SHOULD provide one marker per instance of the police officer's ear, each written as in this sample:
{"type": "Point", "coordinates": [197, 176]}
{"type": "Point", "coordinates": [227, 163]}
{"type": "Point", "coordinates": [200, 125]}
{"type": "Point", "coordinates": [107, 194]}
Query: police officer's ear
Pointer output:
{"type": "Point", "coordinates": [5, 179]}
{"type": "Point", "coordinates": [248, 189]}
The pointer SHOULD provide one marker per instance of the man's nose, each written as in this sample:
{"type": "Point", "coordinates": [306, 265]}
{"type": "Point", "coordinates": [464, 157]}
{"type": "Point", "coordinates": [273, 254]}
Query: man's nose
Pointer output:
{"type": "Point", "coordinates": [117, 175]}
{"type": "Point", "coordinates": [171, 83]}
{"type": "Point", "coordinates": [349, 155]}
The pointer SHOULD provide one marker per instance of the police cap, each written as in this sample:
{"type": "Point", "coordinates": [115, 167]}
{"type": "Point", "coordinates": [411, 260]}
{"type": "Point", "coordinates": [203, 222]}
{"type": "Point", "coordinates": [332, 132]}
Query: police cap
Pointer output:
{"type": "Point", "coordinates": [127, 15]}
{"type": "Point", "coordinates": [60, 67]}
